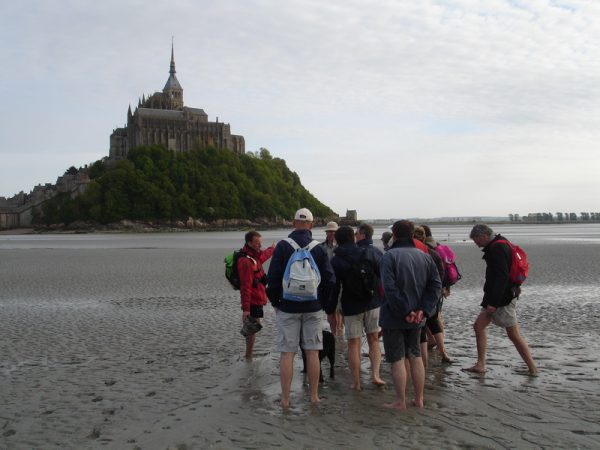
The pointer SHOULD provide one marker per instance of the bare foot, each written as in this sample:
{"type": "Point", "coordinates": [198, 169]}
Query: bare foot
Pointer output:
{"type": "Point", "coordinates": [418, 403]}
{"type": "Point", "coordinates": [285, 404]}
{"type": "Point", "coordinates": [316, 401]}
{"type": "Point", "coordinates": [446, 359]}
{"type": "Point", "coordinates": [401, 406]}
{"type": "Point", "coordinates": [475, 369]}
{"type": "Point", "coordinates": [356, 386]}
{"type": "Point", "coordinates": [378, 382]}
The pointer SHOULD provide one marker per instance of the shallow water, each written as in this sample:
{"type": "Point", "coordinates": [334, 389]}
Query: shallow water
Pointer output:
{"type": "Point", "coordinates": [118, 341]}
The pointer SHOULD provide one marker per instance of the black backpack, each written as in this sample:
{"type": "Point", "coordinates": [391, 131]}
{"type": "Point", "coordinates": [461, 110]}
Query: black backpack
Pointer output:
{"type": "Point", "coordinates": [362, 278]}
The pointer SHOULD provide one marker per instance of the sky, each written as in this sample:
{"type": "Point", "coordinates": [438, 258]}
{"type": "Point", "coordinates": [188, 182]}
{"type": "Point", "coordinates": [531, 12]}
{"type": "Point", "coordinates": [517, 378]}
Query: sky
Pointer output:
{"type": "Point", "coordinates": [393, 108]}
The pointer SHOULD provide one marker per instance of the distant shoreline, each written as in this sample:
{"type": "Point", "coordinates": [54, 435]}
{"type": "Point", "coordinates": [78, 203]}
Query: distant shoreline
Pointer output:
{"type": "Point", "coordinates": [127, 226]}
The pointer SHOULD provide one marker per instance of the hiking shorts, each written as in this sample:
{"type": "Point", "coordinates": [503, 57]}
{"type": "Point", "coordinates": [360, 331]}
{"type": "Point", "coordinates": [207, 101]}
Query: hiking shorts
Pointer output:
{"type": "Point", "coordinates": [367, 321]}
{"type": "Point", "coordinates": [505, 316]}
{"type": "Point", "coordinates": [256, 311]}
{"type": "Point", "coordinates": [299, 328]}
{"type": "Point", "coordinates": [399, 344]}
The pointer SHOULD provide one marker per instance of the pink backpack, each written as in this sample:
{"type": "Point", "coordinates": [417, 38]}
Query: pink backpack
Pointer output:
{"type": "Point", "coordinates": [451, 273]}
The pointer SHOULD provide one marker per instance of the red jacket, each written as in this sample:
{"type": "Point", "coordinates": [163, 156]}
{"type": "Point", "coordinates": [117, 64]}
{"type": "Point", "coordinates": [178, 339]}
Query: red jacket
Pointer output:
{"type": "Point", "coordinates": [252, 291]}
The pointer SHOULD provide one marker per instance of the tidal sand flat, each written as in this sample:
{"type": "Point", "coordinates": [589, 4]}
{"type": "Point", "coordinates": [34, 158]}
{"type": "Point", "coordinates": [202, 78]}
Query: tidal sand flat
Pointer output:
{"type": "Point", "coordinates": [132, 341]}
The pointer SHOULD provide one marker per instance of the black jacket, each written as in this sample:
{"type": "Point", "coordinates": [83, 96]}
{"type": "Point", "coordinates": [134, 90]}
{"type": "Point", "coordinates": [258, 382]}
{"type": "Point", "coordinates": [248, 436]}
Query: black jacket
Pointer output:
{"type": "Point", "coordinates": [344, 256]}
{"type": "Point", "coordinates": [497, 290]}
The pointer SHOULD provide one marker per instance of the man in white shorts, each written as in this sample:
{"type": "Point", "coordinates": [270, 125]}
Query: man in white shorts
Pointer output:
{"type": "Point", "coordinates": [358, 288]}
{"type": "Point", "coordinates": [299, 321]}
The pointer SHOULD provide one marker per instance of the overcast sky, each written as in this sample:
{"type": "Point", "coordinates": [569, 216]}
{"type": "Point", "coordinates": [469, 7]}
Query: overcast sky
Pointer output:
{"type": "Point", "coordinates": [393, 108]}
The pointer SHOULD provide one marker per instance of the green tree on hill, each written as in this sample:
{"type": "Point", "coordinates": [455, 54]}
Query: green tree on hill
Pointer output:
{"type": "Point", "coordinates": [156, 183]}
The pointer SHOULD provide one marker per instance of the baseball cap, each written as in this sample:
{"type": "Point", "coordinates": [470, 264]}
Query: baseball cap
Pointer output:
{"type": "Point", "coordinates": [303, 215]}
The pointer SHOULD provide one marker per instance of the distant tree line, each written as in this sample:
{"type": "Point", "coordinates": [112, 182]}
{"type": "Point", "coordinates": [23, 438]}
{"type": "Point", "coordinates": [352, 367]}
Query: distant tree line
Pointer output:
{"type": "Point", "coordinates": [558, 217]}
{"type": "Point", "coordinates": [154, 183]}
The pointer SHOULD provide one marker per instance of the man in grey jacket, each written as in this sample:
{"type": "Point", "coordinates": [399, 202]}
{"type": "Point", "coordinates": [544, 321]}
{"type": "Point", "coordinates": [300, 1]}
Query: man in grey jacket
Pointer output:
{"type": "Point", "coordinates": [412, 288]}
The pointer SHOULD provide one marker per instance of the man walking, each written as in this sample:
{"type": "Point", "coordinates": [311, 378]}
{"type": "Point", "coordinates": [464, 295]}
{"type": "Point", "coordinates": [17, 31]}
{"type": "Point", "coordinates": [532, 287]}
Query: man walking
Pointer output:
{"type": "Point", "coordinates": [499, 304]}
{"type": "Point", "coordinates": [299, 317]}
{"type": "Point", "coordinates": [412, 288]}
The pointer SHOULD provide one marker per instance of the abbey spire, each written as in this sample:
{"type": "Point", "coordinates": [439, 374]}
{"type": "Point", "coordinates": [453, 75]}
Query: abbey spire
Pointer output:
{"type": "Point", "coordinates": [173, 89]}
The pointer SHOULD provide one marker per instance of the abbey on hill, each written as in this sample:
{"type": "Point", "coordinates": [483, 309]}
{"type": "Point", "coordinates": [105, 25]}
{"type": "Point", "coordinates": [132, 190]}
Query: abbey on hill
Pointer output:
{"type": "Point", "coordinates": [163, 119]}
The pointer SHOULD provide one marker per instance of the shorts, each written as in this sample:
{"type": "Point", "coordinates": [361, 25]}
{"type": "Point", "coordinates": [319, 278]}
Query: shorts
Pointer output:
{"type": "Point", "coordinates": [295, 329]}
{"type": "Point", "coordinates": [367, 321]}
{"type": "Point", "coordinates": [399, 344]}
{"type": "Point", "coordinates": [505, 316]}
{"type": "Point", "coordinates": [256, 311]}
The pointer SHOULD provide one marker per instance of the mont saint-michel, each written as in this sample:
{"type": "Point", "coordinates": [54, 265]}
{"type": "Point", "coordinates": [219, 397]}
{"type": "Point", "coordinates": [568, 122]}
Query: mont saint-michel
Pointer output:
{"type": "Point", "coordinates": [163, 119]}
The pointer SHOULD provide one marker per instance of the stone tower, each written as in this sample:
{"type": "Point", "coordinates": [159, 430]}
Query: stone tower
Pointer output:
{"type": "Point", "coordinates": [173, 89]}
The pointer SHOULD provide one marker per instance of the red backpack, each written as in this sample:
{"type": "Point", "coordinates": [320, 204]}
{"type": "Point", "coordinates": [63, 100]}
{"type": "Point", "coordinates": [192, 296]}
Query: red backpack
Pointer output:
{"type": "Point", "coordinates": [519, 268]}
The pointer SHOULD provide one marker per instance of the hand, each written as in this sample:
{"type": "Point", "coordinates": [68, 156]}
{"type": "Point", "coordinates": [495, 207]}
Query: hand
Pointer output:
{"type": "Point", "coordinates": [410, 317]}
{"type": "Point", "coordinates": [244, 315]}
{"type": "Point", "coordinates": [332, 319]}
{"type": "Point", "coordinates": [490, 309]}
{"type": "Point", "coordinates": [446, 292]}
{"type": "Point", "coordinates": [419, 316]}
{"type": "Point", "coordinates": [273, 244]}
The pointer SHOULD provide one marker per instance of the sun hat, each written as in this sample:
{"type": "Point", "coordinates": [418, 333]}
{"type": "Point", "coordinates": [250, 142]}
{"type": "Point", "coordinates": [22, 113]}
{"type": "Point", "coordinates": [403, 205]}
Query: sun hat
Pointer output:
{"type": "Point", "coordinates": [331, 226]}
{"type": "Point", "coordinates": [303, 215]}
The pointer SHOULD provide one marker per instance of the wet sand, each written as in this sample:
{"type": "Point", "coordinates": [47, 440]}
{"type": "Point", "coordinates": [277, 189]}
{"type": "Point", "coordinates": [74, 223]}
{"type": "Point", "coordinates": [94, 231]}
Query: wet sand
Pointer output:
{"type": "Point", "coordinates": [139, 347]}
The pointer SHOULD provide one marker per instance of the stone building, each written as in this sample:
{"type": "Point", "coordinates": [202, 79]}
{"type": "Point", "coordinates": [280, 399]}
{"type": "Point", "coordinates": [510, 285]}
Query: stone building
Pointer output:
{"type": "Point", "coordinates": [163, 119]}
{"type": "Point", "coordinates": [18, 211]}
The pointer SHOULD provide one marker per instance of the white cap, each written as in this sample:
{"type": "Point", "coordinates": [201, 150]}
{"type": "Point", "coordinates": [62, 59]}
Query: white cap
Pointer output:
{"type": "Point", "coordinates": [303, 215]}
{"type": "Point", "coordinates": [331, 226]}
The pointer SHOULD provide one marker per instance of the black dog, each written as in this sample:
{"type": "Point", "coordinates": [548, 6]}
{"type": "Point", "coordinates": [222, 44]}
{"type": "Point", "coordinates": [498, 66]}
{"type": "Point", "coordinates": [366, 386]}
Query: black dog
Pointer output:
{"type": "Point", "coordinates": [328, 351]}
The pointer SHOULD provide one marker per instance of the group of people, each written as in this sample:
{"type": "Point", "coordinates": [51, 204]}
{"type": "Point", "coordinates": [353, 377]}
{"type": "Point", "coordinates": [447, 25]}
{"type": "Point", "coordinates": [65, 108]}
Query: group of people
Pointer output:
{"type": "Point", "coordinates": [396, 294]}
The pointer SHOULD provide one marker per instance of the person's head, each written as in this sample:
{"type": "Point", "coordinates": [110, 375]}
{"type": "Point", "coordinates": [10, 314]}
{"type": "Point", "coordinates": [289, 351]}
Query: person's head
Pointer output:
{"type": "Point", "coordinates": [419, 233]}
{"type": "Point", "coordinates": [427, 230]}
{"type": "Point", "coordinates": [253, 240]}
{"type": "Point", "coordinates": [481, 234]}
{"type": "Point", "coordinates": [330, 230]}
{"type": "Point", "coordinates": [386, 237]}
{"type": "Point", "coordinates": [303, 219]}
{"type": "Point", "coordinates": [364, 231]}
{"type": "Point", "coordinates": [403, 229]}
{"type": "Point", "coordinates": [344, 235]}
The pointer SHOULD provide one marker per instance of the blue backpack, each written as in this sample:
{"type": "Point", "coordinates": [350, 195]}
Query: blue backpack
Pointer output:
{"type": "Point", "coordinates": [301, 278]}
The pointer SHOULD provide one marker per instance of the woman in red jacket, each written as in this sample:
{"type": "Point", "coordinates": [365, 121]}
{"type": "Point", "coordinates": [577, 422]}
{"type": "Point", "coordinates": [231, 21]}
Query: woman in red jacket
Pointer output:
{"type": "Point", "coordinates": [252, 282]}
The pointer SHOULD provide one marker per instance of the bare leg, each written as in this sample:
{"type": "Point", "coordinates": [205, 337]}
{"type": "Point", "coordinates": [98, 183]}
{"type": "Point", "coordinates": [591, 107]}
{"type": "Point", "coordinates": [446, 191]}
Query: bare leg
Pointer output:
{"type": "Point", "coordinates": [313, 369]}
{"type": "Point", "coordinates": [286, 365]}
{"type": "Point", "coordinates": [250, 345]}
{"type": "Point", "coordinates": [399, 377]}
{"type": "Point", "coordinates": [375, 357]}
{"type": "Point", "coordinates": [417, 371]}
{"type": "Point", "coordinates": [522, 348]}
{"type": "Point", "coordinates": [424, 348]}
{"type": "Point", "coordinates": [354, 362]}
{"type": "Point", "coordinates": [439, 340]}
{"type": "Point", "coordinates": [482, 321]}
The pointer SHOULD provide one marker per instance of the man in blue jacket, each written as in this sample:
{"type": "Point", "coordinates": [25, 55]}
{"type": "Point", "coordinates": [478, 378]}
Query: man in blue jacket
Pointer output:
{"type": "Point", "coordinates": [360, 306]}
{"type": "Point", "coordinates": [412, 287]}
{"type": "Point", "coordinates": [299, 321]}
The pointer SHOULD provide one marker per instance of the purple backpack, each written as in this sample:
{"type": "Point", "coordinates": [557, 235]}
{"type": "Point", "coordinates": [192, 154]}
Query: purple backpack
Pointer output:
{"type": "Point", "coordinates": [451, 273]}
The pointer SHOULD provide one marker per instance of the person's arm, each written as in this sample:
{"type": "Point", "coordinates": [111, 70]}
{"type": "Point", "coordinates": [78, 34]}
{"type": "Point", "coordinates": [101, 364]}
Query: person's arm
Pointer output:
{"type": "Point", "coordinates": [267, 253]}
{"type": "Point", "coordinates": [393, 298]}
{"type": "Point", "coordinates": [246, 274]}
{"type": "Point", "coordinates": [275, 275]}
{"type": "Point", "coordinates": [497, 275]}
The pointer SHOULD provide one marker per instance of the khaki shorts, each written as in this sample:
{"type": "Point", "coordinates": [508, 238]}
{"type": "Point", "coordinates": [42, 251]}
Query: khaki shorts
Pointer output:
{"type": "Point", "coordinates": [505, 316]}
{"type": "Point", "coordinates": [299, 328]}
{"type": "Point", "coordinates": [367, 322]}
